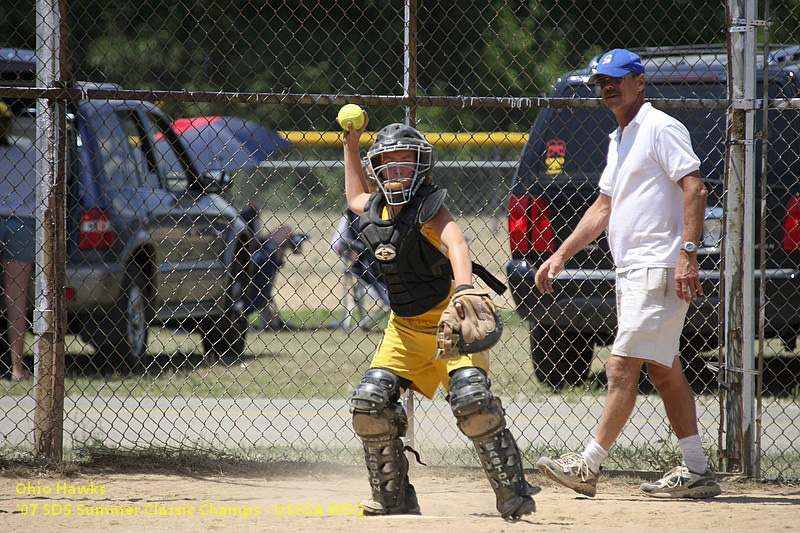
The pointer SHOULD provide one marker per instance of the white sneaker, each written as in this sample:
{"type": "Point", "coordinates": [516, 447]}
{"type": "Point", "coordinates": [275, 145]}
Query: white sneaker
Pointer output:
{"type": "Point", "coordinates": [572, 471]}
{"type": "Point", "coordinates": [680, 482]}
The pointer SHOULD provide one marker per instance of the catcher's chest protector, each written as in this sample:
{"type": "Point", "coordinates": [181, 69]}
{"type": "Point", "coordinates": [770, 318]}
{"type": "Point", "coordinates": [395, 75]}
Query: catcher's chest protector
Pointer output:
{"type": "Point", "coordinates": [418, 276]}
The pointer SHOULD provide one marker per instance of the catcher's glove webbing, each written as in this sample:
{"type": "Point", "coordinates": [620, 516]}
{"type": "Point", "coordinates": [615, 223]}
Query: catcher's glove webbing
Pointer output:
{"type": "Point", "coordinates": [470, 324]}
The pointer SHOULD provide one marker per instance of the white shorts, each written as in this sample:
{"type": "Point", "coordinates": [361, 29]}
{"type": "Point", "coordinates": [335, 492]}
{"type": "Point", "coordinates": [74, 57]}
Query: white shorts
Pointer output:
{"type": "Point", "coordinates": [650, 315]}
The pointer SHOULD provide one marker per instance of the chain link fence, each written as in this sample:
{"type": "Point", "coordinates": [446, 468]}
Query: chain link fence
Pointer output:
{"type": "Point", "coordinates": [214, 293]}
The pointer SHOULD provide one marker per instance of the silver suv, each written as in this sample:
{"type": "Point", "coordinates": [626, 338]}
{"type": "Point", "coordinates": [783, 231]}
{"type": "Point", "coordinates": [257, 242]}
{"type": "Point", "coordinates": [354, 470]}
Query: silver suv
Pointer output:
{"type": "Point", "coordinates": [150, 238]}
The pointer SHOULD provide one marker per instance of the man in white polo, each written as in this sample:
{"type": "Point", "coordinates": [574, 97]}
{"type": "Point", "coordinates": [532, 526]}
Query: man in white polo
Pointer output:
{"type": "Point", "coordinates": [652, 200]}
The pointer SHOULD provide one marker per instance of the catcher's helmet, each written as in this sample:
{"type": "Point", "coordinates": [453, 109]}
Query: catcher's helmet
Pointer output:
{"type": "Point", "coordinates": [399, 180]}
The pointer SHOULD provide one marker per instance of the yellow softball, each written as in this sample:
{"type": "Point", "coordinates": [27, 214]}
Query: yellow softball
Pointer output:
{"type": "Point", "coordinates": [351, 113]}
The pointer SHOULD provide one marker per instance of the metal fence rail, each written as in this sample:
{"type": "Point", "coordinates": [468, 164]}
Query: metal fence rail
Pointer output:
{"type": "Point", "coordinates": [173, 316]}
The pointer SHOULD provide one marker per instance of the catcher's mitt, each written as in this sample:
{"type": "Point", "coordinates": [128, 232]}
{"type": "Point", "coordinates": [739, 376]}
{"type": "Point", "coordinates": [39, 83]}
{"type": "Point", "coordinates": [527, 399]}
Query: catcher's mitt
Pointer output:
{"type": "Point", "coordinates": [470, 324]}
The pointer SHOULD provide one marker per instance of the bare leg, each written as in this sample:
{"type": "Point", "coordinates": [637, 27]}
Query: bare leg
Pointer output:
{"type": "Point", "coordinates": [623, 385]}
{"type": "Point", "coordinates": [16, 279]}
{"type": "Point", "coordinates": [678, 397]}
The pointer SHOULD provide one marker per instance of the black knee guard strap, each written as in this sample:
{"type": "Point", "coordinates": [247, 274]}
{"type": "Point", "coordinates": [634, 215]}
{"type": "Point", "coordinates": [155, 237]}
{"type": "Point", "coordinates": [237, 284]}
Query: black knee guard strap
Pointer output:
{"type": "Point", "coordinates": [481, 417]}
{"type": "Point", "coordinates": [472, 402]}
{"type": "Point", "coordinates": [377, 389]}
{"type": "Point", "coordinates": [380, 421]}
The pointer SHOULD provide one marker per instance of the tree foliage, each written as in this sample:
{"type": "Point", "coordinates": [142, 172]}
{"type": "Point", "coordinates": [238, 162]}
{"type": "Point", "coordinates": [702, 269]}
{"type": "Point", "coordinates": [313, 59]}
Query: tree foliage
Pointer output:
{"type": "Point", "coordinates": [465, 48]}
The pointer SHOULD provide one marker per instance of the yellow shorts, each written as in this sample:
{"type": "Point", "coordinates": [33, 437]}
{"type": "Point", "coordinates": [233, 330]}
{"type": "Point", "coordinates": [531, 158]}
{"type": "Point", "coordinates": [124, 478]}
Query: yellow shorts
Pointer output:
{"type": "Point", "coordinates": [408, 348]}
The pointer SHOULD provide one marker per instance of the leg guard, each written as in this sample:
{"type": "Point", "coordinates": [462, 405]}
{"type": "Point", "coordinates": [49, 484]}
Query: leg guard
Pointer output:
{"type": "Point", "coordinates": [380, 421]}
{"type": "Point", "coordinates": [481, 417]}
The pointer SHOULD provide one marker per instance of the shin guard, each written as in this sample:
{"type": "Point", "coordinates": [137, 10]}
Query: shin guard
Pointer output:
{"type": "Point", "coordinates": [380, 421]}
{"type": "Point", "coordinates": [480, 417]}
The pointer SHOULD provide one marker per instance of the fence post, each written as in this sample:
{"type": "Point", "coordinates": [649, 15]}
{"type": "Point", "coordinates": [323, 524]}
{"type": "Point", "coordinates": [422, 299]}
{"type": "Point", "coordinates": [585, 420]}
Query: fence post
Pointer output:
{"type": "Point", "coordinates": [48, 318]}
{"type": "Point", "coordinates": [410, 90]}
{"type": "Point", "coordinates": [739, 240]}
{"type": "Point", "coordinates": [410, 60]}
{"type": "Point", "coordinates": [762, 255]}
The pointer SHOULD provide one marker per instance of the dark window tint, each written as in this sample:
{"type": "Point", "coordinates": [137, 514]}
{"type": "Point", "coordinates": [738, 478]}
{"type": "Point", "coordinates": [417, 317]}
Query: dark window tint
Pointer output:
{"type": "Point", "coordinates": [783, 155]}
{"type": "Point", "coordinates": [136, 137]}
{"type": "Point", "coordinates": [574, 142]}
{"type": "Point", "coordinates": [121, 157]}
{"type": "Point", "coordinates": [120, 140]}
{"type": "Point", "coordinates": [166, 157]}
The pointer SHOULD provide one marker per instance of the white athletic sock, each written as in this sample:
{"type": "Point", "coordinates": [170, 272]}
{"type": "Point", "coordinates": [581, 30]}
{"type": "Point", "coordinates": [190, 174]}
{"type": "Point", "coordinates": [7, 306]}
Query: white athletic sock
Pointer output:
{"type": "Point", "coordinates": [594, 455]}
{"type": "Point", "coordinates": [693, 456]}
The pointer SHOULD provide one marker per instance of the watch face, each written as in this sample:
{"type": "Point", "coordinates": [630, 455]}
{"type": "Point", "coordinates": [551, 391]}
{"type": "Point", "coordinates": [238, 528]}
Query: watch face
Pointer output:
{"type": "Point", "coordinates": [689, 246]}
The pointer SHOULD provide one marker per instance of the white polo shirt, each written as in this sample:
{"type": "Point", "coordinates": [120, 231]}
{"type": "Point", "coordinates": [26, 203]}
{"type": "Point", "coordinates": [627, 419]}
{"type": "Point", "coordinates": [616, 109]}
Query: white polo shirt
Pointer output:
{"type": "Point", "coordinates": [645, 161]}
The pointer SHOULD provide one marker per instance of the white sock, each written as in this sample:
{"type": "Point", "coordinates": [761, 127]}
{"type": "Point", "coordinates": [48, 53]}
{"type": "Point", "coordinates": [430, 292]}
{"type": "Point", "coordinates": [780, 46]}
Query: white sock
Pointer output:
{"type": "Point", "coordinates": [594, 455]}
{"type": "Point", "coordinates": [693, 456]}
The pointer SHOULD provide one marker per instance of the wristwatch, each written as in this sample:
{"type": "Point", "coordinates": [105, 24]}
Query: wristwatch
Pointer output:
{"type": "Point", "coordinates": [689, 247]}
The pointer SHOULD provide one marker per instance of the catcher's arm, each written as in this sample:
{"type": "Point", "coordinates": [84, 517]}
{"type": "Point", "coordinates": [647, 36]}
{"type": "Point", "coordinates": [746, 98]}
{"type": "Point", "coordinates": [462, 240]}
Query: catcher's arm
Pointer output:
{"type": "Point", "coordinates": [457, 248]}
{"type": "Point", "coordinates": [355, 182]}
{"type": "Point", "coordinates": [471, 323]}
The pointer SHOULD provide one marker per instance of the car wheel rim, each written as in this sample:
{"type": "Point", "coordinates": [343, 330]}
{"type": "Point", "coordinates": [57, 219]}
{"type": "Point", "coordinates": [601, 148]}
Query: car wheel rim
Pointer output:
{"type": "Point", "coordinates": [137, 323]}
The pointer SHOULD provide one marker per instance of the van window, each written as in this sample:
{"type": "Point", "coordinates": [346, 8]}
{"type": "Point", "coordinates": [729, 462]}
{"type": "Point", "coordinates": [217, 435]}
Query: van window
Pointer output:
{"type": "Point", "coordinates": [121, 151]}
{"type": "Point", "coordinates": [167, 161]}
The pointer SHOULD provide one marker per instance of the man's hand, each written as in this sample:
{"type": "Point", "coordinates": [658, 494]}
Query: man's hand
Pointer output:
{"type": "Point", "coordinates": [687, 277]}
{"type": "Point", "coordinates": [591, 225]}
{"type": "Point", "coordinates": [547, 273]}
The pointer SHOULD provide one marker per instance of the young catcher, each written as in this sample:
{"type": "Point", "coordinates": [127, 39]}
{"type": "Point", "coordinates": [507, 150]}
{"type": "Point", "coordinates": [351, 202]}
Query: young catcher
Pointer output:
{"type": "Point", "coordinates": [440, 327]}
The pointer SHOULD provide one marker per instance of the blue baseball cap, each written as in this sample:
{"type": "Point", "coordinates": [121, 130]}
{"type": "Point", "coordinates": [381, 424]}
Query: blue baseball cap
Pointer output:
{"type": "Point", "coordinates": [617, 63]}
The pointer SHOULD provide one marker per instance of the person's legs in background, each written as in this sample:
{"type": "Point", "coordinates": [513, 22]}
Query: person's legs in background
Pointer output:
{"type": "Point", "coordinates": [16, 280]}
{"type": "Point", "coordinates": [267, 259]}
{"type": "Point", "coordinates": [17, 255]}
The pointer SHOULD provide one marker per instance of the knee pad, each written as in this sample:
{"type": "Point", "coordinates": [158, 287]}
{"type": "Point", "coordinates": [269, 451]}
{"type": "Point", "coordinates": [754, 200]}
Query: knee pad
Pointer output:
{"type": "Point", "coordinates": [477, 411]}
{"type": "Point", "coordinates": [377, 389]}
{"type": "Point", "coordinates": [374, 404]}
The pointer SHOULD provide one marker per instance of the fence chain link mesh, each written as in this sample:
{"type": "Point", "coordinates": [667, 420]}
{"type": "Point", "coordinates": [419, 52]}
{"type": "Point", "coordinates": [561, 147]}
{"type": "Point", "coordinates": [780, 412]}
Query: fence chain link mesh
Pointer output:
{"type": "Point", "coordinates": [217, 297]}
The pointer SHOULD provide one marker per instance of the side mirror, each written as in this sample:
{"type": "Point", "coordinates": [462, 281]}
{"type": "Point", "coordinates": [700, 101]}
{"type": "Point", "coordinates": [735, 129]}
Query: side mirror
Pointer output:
{"type": "Point", "coordinates": [214, 180]}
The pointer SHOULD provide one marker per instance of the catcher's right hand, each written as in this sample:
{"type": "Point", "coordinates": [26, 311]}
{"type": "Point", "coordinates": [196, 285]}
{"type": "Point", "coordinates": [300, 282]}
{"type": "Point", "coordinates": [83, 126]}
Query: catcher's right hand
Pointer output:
{"type": "Point", "coordinates": [470, 324]}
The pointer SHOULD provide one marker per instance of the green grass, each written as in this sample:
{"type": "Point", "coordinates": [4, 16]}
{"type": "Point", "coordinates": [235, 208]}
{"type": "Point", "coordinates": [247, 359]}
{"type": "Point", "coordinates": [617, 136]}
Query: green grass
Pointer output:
{"type": "Point", "coordinates": [312, 362]}
{"type": "Point", "coordinates": [94, 456]}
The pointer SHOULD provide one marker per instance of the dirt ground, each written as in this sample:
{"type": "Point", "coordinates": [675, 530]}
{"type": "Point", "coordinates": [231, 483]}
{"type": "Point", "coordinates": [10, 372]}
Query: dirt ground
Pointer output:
{"type": "Point", "coordinates": [451, 500]}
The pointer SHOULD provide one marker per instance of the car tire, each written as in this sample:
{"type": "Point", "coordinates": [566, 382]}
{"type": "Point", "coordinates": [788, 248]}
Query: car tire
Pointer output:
{"type": "Point", "coordinates": [560, 358]}
{"type": "Point", "coordinates": [224, 336]}
{"type": "Point", "coordinates": [122, 335]}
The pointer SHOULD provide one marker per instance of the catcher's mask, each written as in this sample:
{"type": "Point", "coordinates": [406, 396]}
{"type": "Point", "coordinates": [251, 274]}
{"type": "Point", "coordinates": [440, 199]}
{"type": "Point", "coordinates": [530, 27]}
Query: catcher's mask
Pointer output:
{"type": "Point", "coordinates": [400, 161]}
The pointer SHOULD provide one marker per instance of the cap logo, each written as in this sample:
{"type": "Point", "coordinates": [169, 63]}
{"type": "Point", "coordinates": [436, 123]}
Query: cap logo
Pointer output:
{"type": "Point", "coordinates": [390, 141]}
{"type": "Point", "coordinates": [608, 58]}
